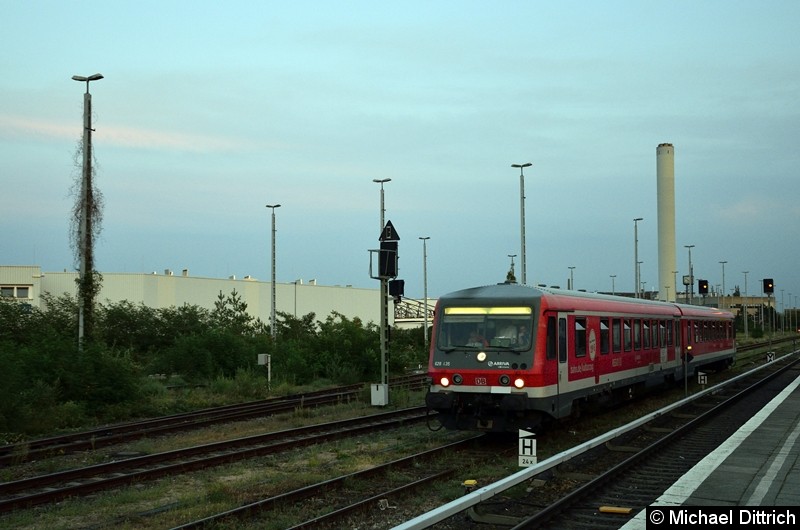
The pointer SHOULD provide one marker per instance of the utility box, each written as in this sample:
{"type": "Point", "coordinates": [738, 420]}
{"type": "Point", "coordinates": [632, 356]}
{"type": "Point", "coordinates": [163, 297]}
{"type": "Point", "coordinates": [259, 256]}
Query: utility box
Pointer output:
{"type": "Point", "coordinates": [380, 395]}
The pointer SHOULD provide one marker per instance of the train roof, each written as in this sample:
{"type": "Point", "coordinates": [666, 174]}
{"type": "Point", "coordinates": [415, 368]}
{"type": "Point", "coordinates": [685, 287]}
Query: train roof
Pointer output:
{"type": "Point", "coordinates": [517, 293]}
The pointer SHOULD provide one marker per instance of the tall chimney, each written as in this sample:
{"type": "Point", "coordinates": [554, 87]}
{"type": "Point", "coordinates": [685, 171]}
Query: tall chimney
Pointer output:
{"type": "Point", "coordinates": [665, 177]}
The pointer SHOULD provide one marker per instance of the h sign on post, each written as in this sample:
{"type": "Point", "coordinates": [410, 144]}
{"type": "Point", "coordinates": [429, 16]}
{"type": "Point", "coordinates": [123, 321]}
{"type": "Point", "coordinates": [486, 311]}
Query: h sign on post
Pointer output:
{"type": "Point", "coordinates": [527, 448]}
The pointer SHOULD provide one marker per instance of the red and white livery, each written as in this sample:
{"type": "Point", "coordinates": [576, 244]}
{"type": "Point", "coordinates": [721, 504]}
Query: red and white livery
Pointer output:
{"type": "Point", "coordinates": [508, 356]}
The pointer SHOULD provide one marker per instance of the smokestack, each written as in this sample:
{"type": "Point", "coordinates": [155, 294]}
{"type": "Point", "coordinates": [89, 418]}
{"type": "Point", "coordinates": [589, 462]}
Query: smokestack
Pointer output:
{"type": "Point", "coordinates": [665, 179]}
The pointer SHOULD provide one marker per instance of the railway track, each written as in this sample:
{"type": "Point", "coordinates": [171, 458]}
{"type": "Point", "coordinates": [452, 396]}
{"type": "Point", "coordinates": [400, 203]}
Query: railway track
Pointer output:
{"type": "Point", "coordinates": [50, 488]}
{"type": "Point", "coordinates": [124, 432]}
{"type": "Point", "coordinates": [646, 463]}
{"type": "Point", "coordinates": [346, 495]}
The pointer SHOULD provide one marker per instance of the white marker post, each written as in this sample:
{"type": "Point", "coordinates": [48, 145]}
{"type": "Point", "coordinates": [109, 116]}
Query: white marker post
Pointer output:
{"type": "Point", "coordinates": [527, 448]}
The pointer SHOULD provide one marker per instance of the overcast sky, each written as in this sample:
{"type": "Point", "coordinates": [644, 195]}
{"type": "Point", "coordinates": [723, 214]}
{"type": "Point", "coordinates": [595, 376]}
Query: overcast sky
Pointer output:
{"type": "Point", "coordinates": [209, 111]}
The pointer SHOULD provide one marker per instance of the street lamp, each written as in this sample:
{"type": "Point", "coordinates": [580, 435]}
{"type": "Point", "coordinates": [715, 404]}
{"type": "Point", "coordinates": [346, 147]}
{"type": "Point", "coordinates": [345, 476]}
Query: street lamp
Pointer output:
{"type": "Point", "coordinates": [85, 244]}
{"type": "Point", "coordinates": [522, 217]}
{"type": "Point", "coordinates": [636, 255]}
{"type": "Point", "coordinates": [691, 274]}
{"type": "Point", "coordinates": [571, 280]}
{"type": "Point", "coordinates": [425, 288]}
{"type": "Point", "coordinates": [613, 287]}
{"type": "Point", "coordinates": [272, 314]}
{"type": "Point", "coordinates": [511, 274]}
{"type": "Point", "coordinates": [722, 305]}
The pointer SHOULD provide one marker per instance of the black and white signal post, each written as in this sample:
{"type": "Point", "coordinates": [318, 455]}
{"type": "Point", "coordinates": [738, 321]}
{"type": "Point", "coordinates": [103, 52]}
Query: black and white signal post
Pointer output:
{"type": "Point", "coordinates": [387, 268]}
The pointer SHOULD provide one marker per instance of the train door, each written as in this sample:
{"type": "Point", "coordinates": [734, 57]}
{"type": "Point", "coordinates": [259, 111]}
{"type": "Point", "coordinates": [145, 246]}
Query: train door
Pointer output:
{"type": "Point", "coordinates": [678, 344]}
{"type": "Point", "coordinates": [660, 339]}
{"type": "Point", "coordinates": [563, 368]}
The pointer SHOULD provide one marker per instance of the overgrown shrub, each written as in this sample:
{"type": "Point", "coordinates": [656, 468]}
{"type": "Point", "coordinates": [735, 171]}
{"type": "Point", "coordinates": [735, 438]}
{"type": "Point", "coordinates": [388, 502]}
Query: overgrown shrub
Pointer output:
{"type": "Point", "coordinates": [48, 382]}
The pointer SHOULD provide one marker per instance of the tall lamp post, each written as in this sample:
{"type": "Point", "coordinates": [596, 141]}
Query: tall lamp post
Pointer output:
{"type": "Point", "coordinates": [272, 283]}
{"type": "Point", "coordinates": [85, 244]}
{"type": "Point", "coordinates": [691, 274]}
{"type": "Point", "coordinates": [571, 279]}
{"type": "Point", "coordinates": [636, 255]}
{"type": "Point", "coordinates": [722, 304]}
{"type": "Point", "coordinates": [522, 218]}
{"type": "Point", "coordinates": [425, 288]}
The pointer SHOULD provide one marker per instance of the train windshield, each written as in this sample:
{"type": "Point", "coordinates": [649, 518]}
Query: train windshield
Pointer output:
{"type": "Point", "coordinates": [485, 327]}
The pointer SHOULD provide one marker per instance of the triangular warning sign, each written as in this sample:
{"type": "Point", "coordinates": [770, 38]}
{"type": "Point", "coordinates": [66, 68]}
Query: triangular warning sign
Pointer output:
{"type": "Point", "coordinates": [389, 233]}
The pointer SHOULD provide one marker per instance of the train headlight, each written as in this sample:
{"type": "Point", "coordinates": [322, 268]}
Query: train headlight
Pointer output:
{"type": "Point", "coordinates": [504, 380]}
{"type": "Point", "coordinates": [481, 356]}
{"type": "Point", "coordinates": [444, 381]}
{"type": "Point", "coordinates": [519, 382]}
{"type": "Point", "coordinates": [457, 379]}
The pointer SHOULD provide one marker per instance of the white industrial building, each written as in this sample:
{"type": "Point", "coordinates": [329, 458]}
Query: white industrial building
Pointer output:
{"type": "Point", "coordinates": [166, 289]}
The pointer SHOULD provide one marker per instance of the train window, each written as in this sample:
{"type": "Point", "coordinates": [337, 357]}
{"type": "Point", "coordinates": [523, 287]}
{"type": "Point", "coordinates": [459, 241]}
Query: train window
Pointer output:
{"type": "Point", "coordinates": [654, 330]}
{"type": "Point", "coordinates": [616, 334]}
{"type": "Point", "coordinates": [562, 340]}
{"type": "Point", "coordinates": [662, 326]}
{"type": "Point", "coordinates": [580, 337]}
{"type": "Point", "coordinates": [626, 334]}
{"type": "Point", "coordinates": [604, 335]}
{"type": "Point", "coordinates": [646, 334]}
{"type": "Point", "coordinates": [492, 326]}
{"type": "Point", "coordinates": [551, 338]}
{"type": "Point", "coordinates": [637, 334]}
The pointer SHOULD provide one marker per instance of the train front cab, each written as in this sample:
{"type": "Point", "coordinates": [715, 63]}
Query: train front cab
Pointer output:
{"type": "Point", "coordinates": [481, 375]}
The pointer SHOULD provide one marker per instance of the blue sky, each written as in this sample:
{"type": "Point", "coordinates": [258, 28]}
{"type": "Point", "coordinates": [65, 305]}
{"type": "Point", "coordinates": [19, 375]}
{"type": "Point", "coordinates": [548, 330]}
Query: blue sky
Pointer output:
{"type": "Point", "coordinates": [210, 111]}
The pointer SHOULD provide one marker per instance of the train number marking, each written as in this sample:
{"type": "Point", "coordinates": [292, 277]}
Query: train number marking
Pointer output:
{"type": "Point", "coordinates": [480, 381]}
{"type": "Point", "coordinates": [441, 363]}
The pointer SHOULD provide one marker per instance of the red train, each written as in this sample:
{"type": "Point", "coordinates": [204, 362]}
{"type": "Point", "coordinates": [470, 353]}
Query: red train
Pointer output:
{"type": "Point", "coordinates": [508, 356]}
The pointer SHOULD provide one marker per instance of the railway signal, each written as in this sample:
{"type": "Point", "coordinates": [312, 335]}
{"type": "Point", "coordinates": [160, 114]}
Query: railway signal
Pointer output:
{"type": "Point", "coordinates": [387, 268]}
{"type": "Point", "coordinates": [397, 290]}
{"type": "Point", "coordinates": [769, 287]}
{"type": "Point", "coordinates": [702, 286]}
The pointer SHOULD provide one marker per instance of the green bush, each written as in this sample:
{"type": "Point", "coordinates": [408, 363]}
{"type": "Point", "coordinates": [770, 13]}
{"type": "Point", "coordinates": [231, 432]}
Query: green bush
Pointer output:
{"type": "Point", "coordinates": [48, 382]}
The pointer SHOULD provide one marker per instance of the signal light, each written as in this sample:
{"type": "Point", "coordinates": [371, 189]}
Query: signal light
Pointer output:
{"type": "Point", "coordinates": [397, 289]}
{"type": "Point", "coordinates": [387, 260]}
{"type": "Point", "coordinates": [768, 286]}
{"type": "Point", "coordinates": [702, 286]}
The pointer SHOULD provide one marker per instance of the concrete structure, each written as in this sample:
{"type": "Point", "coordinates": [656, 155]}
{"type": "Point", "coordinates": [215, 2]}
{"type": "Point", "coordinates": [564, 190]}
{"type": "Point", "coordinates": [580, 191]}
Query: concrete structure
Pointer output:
{"type": "Point", "coordinates": [166, 289]}
{"type": "Point", "coordinates": [665, 177]}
